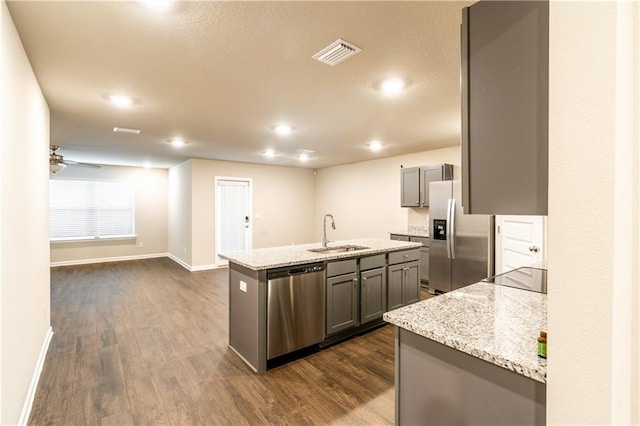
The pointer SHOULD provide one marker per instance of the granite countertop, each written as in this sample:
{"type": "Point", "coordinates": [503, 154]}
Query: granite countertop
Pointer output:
{"type": "Point", "coordinates": [275, 257]}
{"type": "Point", "coordinates": [495, 323]}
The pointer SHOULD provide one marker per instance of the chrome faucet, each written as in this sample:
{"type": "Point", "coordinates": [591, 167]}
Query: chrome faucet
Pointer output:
{"type": "Point", "coordinates": [333, 225]}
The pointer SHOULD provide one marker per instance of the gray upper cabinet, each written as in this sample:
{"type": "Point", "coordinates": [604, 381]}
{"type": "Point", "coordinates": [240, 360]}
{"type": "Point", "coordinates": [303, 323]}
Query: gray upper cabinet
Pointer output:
{"type": "Point", "coordinates": [415, 183]}
{"type": "Point", "coordinates": [505, 92]}
{"type": "Point", "coordinates": [410, 187]}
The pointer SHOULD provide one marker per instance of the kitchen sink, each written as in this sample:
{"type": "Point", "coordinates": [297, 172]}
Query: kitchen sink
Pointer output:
{"type": "Point", "coordinates": [337, 249]}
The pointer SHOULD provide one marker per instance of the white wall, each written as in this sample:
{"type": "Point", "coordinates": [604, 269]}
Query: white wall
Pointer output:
{"type": "Point", "coordinates": [24, 229]}
{"type": "Point", "coordinates": [151, 223]}
{"type": "Point", "coordinates": [180, 217]}
{"type": "Point", "coordinates": [282, 196]}
{"type": "Point", "coordinates": [364, 198]}
{"type": "Point", "coordinates": [594, 302]}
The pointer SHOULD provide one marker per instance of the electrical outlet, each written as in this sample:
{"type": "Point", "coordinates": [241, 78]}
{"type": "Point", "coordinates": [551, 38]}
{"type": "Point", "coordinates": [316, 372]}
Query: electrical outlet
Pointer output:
{"type": "Point", "coordinates": [44, 312]}
{"type": "Point", "coordinates": [243, 286]}
{"type": "Point", "coordinates": [141, 244]}
{"type": "Point", "coordinates": [184, 250]}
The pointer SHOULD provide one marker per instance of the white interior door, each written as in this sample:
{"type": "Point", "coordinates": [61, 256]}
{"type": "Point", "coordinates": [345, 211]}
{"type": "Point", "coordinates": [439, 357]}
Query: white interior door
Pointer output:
{"type": "Point", "coordinates": [233, 215]}
{"type": "Point", "coordinates": [519, 242]}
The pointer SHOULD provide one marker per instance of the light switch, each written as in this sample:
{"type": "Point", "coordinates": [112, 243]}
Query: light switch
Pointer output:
{"type": "Point", "coordinates": [243, 286]}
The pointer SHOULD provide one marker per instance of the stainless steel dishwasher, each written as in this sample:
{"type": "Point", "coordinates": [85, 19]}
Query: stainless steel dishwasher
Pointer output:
{"type": "Point", "coordinates": [295, 308]}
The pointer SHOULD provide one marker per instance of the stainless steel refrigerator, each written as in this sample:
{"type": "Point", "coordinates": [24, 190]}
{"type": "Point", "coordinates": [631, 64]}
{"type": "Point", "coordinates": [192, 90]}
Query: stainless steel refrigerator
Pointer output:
{"type": "Point", "coordinates": [461, 246]}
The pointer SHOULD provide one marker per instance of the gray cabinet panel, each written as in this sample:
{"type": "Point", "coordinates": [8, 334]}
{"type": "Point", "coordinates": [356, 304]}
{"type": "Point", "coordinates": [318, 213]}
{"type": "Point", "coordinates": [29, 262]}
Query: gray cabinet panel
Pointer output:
{"type": "Point", "coordinates": [341, 267]}
{"type": "Point", "coordinates": [394, 293]}
{"type": "Point", "coordinates": [410, 187]}
{"type": "Point", "coordinates": [415, 183]}
{"type": "Point", "coordinates": [404, 256]}
{"type": "Point", "coordinates": [342, 302]}
{"type": "Point", "coordinates": [398, 237]}
{"type": "Point", "coordinates": [424, 264]}
{"type": "Point", "coordinates": [424, 257]}
{"type": "Point", "coordinates": [372, 262]}
{"type": "Point", "coordinates": [430, 174]}
{"type": "Point", "coordinates": [403, 284]}
{"type": "Point", "coordinates": [373, 294]}
{"type": "Point", "coordinates": [411, 283]}
{"type": "Point", "coordinates": [465, 391]}
{"type": "Point", "coordinates": [505, 85]}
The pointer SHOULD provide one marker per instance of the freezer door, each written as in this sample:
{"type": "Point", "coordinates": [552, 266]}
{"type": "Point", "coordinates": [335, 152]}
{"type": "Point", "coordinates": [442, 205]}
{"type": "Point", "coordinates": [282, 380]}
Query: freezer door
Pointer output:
{"type": "Point", "coordinates": [472, 244]}
{"type": "Point", "coordinates": [439, 261]}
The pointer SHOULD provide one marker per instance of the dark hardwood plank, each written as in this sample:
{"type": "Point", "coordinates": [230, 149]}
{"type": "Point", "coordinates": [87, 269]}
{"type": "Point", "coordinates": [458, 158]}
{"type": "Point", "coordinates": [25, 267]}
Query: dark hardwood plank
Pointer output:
{"type": "Point", "coordinates": [145, 343]}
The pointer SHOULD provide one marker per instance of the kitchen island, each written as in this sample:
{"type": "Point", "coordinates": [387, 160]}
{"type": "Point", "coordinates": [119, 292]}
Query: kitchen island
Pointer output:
{"type": "Point", "coordinates": [283, 300]}
{"type": "Point", "coordinates": [470, 357]}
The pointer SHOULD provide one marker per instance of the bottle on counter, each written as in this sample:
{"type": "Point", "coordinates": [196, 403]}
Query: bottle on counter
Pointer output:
{"type": "Point", "coordinates": [542, 344]}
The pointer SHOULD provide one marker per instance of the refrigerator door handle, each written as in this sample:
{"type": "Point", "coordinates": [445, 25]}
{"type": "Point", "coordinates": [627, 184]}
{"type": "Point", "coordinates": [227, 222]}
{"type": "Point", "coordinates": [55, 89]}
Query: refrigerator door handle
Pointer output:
{"type": "Point", "coordinates": [448, 230]}
{"type": "Point", "coordinates": [452, 229]}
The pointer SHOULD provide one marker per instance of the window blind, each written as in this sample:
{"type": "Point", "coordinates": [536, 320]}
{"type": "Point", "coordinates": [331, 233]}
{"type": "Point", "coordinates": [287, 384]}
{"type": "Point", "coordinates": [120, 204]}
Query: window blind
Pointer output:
{"type": "Point", "coordinates": [90, 209]}
{"type": "Point", "coordinates": [233, 225]}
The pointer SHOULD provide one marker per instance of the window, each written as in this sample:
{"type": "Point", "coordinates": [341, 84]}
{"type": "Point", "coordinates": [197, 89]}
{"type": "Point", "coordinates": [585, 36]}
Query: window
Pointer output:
{"type": "Point", "coordinates": [81, 209]}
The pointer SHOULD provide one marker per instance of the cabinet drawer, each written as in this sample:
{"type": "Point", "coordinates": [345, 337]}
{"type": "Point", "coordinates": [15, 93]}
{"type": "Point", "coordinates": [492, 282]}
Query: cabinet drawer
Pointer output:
{"type": "Point", "coordinates": [341, 267]}
{"type": "Point", "coordinates": [371, 262]}
{"type": "Point", "coordinates": [399, 237]}
{"type": "Point", "coordinates": [404, 256]}
{"type": "Point", "coordinates": [423, 240]}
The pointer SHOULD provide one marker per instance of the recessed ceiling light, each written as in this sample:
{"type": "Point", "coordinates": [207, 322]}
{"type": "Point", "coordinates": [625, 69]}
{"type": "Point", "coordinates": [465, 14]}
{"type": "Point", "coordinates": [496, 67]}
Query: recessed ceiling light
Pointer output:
{"type": "Point", "coordinates": [392, 86]}
{"type": "Point", "coordinates": [375, 145]}
{"type": "Point", "coordinates": [126, 130]}
{"type": "Point", "coordinates": [283, 129]}
{"type": "Point", "coordinates": [121, 101]}
{"type": "Point", "coordinates": [269, 153]}
{"type": "Point", "coordinates": [177, 142]}
{"type": "Point", "coordinates": [304, 155]}
{"type": "Point", "coordinates": [158, 5]}
{"type": "Point", "coordinates": [146, 165]}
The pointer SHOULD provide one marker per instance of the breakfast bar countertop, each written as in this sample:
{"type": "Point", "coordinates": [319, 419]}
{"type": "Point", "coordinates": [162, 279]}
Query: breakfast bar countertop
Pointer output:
{"type": "Point", "coordinates": [299, 254]}
{"type": "Point", "coordinates": [494, 323]}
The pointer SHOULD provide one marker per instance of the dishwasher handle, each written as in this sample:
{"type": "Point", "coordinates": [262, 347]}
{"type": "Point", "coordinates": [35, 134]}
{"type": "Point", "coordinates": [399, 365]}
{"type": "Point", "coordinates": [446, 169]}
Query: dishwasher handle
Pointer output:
{"type": "Point", "coordinates": [295, 270]}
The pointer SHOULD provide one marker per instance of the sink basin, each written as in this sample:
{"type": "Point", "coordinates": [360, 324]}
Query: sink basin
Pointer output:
{"type": "Point", "coordinates": [337, 249]}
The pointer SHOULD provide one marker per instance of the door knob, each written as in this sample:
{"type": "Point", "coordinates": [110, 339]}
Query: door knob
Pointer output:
{"type": "Point", "coordinates": [534, 249]}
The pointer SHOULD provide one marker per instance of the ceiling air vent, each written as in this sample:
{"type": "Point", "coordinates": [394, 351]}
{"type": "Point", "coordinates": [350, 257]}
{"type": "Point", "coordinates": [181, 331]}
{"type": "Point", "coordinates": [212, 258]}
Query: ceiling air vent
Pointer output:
{"type": "Point", "coordinates": [336, 52]}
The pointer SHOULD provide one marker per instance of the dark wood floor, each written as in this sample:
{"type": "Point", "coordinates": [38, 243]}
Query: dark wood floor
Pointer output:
{"type": "Point", "coordinates": [145, 342]}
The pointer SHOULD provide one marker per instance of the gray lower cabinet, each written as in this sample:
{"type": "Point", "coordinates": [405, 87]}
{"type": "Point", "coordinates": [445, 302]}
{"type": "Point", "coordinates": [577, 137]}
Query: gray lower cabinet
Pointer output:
{"type": "Point", "coordinates": [342, 302]}
{"type": "Point", "coordinates": [404, 284]}
{"type": "Point", "coordinates": [424, 256]}
{"type": "Point", "coordinates": [469, 390]}
{"type": "Point", "coordinates": [398, 237]}
{"type": "Point", "coordinates": [373, 294]}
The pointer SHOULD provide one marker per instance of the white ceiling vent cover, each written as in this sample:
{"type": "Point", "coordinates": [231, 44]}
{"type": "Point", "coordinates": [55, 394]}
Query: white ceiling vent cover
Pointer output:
{"type": "Point", "coordinates": [336, 52]}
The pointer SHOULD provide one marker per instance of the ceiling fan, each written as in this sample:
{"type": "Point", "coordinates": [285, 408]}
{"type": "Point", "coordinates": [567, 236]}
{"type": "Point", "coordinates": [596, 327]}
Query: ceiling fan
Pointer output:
{"type": "Point", "coordinates": [57, 163]}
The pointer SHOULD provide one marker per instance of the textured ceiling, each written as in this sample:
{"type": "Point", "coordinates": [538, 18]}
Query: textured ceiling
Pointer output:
{"type": "Point", "coordinates": [222, 74]}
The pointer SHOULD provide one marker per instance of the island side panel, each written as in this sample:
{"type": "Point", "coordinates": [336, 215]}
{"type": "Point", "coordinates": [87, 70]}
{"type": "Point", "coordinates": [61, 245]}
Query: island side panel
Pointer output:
{"type": "Point", "coordinates": [247, 315]}
{"type": "Point", "coordinates": [438, 385]}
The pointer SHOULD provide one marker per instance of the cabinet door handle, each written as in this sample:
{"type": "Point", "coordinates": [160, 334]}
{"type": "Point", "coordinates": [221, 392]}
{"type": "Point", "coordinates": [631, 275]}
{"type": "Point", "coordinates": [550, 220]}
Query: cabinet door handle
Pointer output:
{"type": "Point", "coordinates": [406, 256]}
{"type": "Point", "coordinates": [364, 279]}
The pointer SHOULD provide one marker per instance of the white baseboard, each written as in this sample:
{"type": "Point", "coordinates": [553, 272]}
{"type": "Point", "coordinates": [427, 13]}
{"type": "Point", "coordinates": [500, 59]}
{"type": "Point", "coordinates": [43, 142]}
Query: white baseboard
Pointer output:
{"type": "Point", "coordinates": [190, 268]}
{"type": "Point", "coordinates": [179, 261]}
{"type": "Point", "coordinates": [26, 409]}
{"type": "Point", "coordinates": [108, 259]}
{"type": "Point", "coordinates": [204, 267]}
